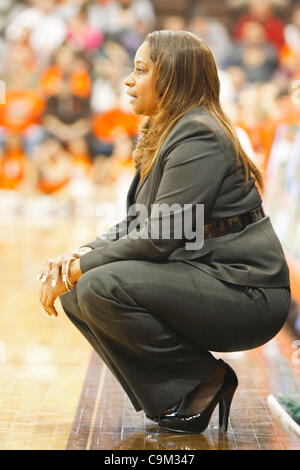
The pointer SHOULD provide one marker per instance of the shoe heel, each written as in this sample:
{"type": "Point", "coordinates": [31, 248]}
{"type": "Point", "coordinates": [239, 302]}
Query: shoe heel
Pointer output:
{"type": "Point", "coordinates": [224, 408]}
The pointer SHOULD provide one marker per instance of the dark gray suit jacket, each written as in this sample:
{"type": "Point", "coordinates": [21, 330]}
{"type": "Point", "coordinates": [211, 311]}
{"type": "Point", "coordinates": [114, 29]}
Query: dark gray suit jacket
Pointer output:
{"type": "Point", "coordinates": [197, 165]}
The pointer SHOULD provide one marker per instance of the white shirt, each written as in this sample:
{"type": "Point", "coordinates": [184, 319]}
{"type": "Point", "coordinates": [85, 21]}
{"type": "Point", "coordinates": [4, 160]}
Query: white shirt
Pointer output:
{"type": "Point", "coordinates": [111, 18]}
{"type": "Point", "coordinates": [47, 31]}
{"type": "Point", "coordinates": [104, 97]}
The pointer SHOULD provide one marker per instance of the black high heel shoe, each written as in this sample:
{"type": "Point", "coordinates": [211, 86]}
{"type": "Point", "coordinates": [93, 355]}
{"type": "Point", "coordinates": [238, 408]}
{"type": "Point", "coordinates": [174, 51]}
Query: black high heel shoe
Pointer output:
{"type": "Point", "coordinates": [169, 411]}
{"type": "Point", "coordinates": [197, 423]}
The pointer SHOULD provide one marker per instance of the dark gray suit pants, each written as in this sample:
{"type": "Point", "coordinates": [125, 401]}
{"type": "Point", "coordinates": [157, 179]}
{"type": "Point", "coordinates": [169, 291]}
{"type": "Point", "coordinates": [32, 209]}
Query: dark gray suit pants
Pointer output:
{"type": "Point", "coordinates": [153, 324]}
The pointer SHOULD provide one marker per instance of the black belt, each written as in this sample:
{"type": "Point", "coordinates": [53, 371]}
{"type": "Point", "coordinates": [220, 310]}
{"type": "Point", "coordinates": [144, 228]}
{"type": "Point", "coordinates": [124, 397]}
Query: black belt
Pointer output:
{"type": "Point", "coordinates": [233, 224]}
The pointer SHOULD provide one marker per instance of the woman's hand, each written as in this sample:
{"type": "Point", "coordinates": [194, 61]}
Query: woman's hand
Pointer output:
{"type": "Point", "coordinates": [54, 268]}
{"type": "Point", "coordinates": [49, 293]}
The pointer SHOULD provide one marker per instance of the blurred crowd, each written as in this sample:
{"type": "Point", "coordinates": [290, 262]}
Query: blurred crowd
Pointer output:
{"type": "Point", "coordinates": [66, 128]}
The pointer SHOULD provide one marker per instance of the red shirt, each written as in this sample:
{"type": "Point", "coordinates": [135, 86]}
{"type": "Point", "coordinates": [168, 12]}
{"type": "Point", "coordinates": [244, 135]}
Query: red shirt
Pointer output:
{"type": "Point", "coordinates": [273, 27]}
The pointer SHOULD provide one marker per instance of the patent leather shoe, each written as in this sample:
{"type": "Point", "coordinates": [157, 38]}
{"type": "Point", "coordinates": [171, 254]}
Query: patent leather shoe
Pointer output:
{"type": "Point", "coordinates": [197, 423]}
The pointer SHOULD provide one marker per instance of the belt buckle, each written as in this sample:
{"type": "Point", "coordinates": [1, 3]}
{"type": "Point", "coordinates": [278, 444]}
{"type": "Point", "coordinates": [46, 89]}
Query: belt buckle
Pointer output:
{"type": "Point", "coordinates": [236, 223]}
{"type": "Point", "coordinates": [256, 213]}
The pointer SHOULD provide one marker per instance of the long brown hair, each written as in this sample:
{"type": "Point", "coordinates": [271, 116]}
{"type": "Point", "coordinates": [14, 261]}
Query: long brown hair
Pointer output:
{"type": "Point", "coordinates": [186, 76]}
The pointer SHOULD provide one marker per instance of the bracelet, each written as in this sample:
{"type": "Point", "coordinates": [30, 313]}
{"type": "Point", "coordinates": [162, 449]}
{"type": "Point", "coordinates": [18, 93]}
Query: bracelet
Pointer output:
{"type": "Point", "coordinates": [67, 281]}
{"type": "Point", "coordinates": [66, 284]}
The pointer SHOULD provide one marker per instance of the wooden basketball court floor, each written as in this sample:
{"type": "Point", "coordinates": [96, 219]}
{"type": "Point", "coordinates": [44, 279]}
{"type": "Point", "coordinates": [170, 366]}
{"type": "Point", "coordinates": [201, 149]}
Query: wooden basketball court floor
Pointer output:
{"type": "Point", "coordinates": [55, 393]}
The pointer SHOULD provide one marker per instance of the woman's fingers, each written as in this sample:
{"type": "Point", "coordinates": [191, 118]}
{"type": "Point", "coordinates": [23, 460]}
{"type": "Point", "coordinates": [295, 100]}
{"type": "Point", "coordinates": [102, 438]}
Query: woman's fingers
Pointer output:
{"type": "Point", "coordinates": [52, 310]}
{"type": "Point", "coordinates": [47, 300]}
{"type": "Point", "coordinates": [52, 267]}
{"type": "Point", "coordinates": [54, 274]}
{"type": "Point", "coordinates": [51, 271]}
{"type": "Point", "coordinates": [47, 310]}
{"type": "Point", "coordinates": [41, 276]}
{"type": "Point", "coordinates": [44, 274]}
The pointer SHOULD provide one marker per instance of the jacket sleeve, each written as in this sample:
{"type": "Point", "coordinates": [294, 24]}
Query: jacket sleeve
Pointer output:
{"type": "Point", "coordinates": [193, 173]}
{"type": "Point", "coordinates": [114, 233]}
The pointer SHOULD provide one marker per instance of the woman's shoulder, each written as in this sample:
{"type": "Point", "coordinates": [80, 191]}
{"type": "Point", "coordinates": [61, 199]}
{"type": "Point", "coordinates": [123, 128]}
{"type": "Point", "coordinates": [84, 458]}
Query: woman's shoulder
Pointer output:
{"type": "Point", "coordinates": [197, 124]}
{"type": "Point", "coordinates": [201, 119]}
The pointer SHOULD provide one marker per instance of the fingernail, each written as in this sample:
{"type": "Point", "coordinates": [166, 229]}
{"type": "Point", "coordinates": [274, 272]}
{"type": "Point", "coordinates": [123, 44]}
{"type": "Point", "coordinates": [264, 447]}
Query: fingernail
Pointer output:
{"type": "Point", "coordinates": [53, 282]}
{"type": "Point", "coordinates": [64, 278]}
{"type": "Point", "coordinates": [44, 278]}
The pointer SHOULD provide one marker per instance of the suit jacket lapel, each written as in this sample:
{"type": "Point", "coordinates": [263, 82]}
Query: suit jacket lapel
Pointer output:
{"type": "Point", "coordinates": [132, 189]}
{"type": "Point", "coordinates": [139, 184]}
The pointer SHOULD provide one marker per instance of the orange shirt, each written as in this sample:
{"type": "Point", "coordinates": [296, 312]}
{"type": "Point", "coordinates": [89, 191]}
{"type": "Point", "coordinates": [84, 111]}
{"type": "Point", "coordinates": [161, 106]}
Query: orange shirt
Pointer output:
{"type": "Point", "coordinates": [12, 169]}
{"type": "Point", "coordinates": [49, 187]}
{"type": "Point", "coordinates": [108, 124]}
{"type": "Point", "coordinates": [22, 108]}
{"type": "Point", "coordinates": [53, 173]}
{"type": "Point", "coordinates": [289, 58]}
{"type": "Point", "coordinates": [79, 82]}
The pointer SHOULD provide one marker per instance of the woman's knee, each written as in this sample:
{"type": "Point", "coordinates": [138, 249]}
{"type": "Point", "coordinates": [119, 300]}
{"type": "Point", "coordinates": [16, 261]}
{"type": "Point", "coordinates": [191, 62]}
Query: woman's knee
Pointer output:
{"type": "Point", "coordinates": [100, 282]}
{"type": "Point", "coordinates": [86, 286]}
{"type": "Point", "coordinates": [70, 305]}
{"type": "Point", "coordinates": [91, 286]}
{"type": "Point", "coordinates": [100, 290]}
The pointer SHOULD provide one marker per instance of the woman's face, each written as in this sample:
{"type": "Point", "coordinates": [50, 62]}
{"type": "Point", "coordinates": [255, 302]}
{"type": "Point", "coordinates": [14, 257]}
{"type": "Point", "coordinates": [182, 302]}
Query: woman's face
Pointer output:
{"type": "Point", "coordinates": [141, 84]}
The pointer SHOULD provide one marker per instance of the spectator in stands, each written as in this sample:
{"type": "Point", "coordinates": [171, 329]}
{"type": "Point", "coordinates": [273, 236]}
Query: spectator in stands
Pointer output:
{"type": "Point", "coordinates": [174, 23]}
{"type": "Point", "coordinates": [238, 79]}
{"type": "Point", "coordinates": [114, 128]}
{"type": "Point", "coordinates": [227, 91]}
{"type": "Point", "coordinates": [123, 15]}
{"type": "Point", "coordinates": [121, 160]}
{"type": "Point", "coordinates": [261, 107]}
{"type": "Point", "coordinates": [290, 51]}
{"type": "Point", "coordinates": [70, 65]}
{"type": "Point", "coordinates": [261, 11]}
{"type": "Point", "coordinates": [66, 85]}
{"type": "Point", "coordinates": [57, 172]}
{"type": "Point", "coordinates": [67, 115]}
{"type": "Point", "coordinates": [128, 22]}
{"type": "Point", "coordinates": [47, 30]}
{"type": "Point", "coordinates": [98, 13]}
{"type": "Point", "coordinates": [68, 9]}
{"type": "Point", "coordinates": [82, 36]}
{"type": "Point", "coordinates": [131, 39]}
{"type": "Point", "coordinates": [19, 64]}
{"type": "Point", "coordinates": [213, 32]}
{"type": "Point", "coordinates": [111, 65]}
{"type": "Point", "coordinates": [80, 159]}
{"type": "Point", "coordinates": [21, 116]}
{"type": "Point", "coordinates": [12, 163]}
{"type": "Point", "coordinates": [292, 30]}
{"type": "Point", "coordinates": [9, 9]}
{"type": "Point", "coordinates": [53, 167]}
{"type": "Point", "coordinates": [254, 54]}
{"type": "Point", "coordinates": [114, 124]}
